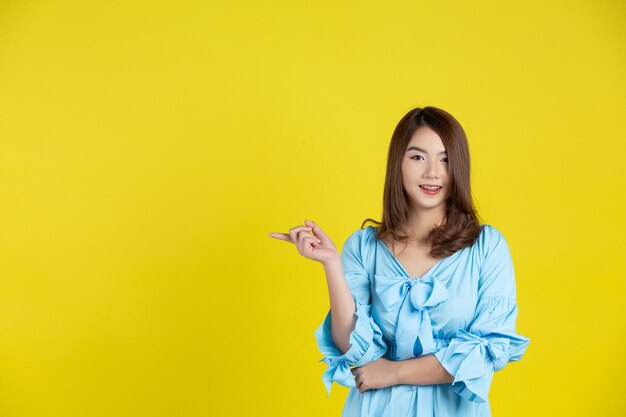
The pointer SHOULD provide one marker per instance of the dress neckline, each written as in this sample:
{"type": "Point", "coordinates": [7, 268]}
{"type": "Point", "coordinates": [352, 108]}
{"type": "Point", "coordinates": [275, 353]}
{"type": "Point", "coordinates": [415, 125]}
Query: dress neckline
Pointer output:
{"type": "Point", "coordinates": [397, 261]}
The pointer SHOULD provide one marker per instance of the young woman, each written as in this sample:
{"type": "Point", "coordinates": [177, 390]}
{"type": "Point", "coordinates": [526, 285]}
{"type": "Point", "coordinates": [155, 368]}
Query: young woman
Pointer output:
{"type": "Point", "coordinates": [423, 306]}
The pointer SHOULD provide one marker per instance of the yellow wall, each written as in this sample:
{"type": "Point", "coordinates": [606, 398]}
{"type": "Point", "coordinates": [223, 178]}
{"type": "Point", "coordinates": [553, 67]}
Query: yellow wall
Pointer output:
{"type": "Point", "coordinates": [147, 148]}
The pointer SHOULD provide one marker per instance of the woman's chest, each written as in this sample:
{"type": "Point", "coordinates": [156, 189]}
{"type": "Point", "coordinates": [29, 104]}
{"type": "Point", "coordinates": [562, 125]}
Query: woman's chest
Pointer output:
{"type": "Point", "coordinates": [415, 261]}
{"type": "Point", "coordinates": [447, 293]}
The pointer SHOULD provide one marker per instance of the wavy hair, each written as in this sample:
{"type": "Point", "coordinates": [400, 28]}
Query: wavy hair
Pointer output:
{"type": "Point", "coordinates": [460, 227]}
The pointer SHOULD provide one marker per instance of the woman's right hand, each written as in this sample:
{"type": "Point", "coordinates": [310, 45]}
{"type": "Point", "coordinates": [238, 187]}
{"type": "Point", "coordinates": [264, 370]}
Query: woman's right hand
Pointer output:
{"type": "Point", "coordinates": [317, 246]}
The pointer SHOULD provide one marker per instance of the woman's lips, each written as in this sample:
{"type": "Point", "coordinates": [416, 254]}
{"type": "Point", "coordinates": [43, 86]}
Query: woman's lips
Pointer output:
{"type": "Point", "coordinates": [430, 192]}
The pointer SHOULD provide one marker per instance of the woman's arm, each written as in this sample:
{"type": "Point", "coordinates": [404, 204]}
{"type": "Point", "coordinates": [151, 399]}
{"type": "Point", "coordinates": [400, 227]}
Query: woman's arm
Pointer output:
{"type": "Point", "coordinates": [424, 370]}
{"type": "Point", "coordinates": [353, 326]}
{"type": "Point", "coordinates": [383, 373]}
{"type": "Point", "coordinates": [342, 307]}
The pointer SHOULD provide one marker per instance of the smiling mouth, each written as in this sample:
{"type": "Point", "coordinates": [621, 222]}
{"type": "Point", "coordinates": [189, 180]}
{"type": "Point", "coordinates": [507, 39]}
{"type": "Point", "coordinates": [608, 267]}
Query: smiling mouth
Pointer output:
{"type": "Point", "coordinates": [430, 187]}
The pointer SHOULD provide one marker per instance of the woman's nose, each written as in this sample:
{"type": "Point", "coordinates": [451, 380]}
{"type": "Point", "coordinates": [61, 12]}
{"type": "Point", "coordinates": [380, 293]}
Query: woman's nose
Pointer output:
{"type": "Point", "coordinates": [432, 171]}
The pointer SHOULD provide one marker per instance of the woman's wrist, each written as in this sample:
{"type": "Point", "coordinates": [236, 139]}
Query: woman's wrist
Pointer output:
{"type": "Point", "coordinates": [333, 263]}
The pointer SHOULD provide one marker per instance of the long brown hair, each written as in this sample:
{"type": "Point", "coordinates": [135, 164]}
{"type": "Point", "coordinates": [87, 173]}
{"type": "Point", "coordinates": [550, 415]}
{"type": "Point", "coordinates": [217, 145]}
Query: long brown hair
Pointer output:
{"type": "Point", "coordinates": [461, 226]}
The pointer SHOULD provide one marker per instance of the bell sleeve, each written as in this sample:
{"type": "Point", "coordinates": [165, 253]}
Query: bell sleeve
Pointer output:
{"type": "Point", "coordinates": [366, 341]}
{"type": "Point", "coordinates": [491, 340]}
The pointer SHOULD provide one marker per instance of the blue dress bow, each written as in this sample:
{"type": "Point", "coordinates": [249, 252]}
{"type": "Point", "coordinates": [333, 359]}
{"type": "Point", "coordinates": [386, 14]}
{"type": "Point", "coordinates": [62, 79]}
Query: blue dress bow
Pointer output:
{"type": "Point", "coordinates": [414, 336]}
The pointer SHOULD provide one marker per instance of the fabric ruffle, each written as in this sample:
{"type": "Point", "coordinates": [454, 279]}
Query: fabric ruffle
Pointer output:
{"type": "Point", "coordinates": [473, 356]}
{"type": "Point", "coordinates": [366, 345]}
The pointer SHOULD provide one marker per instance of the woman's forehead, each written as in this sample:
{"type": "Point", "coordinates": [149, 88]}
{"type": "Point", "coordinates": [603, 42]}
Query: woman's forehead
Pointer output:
{"type": "Point", "coordinates": [426, 140]}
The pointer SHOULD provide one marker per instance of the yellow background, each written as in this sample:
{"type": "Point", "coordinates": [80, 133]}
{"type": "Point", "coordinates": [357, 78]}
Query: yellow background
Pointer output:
{"type": "Point", "coordinates": [147, 148]}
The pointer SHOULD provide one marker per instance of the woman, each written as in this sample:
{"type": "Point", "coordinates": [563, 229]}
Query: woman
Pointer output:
{"type": "Point", "coordinates": [423, 306]}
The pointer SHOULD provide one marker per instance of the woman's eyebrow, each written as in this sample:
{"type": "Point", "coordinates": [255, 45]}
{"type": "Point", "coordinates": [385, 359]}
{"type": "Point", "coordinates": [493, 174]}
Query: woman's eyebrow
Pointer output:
{"type": "Point", "coordinates": [422, 150]}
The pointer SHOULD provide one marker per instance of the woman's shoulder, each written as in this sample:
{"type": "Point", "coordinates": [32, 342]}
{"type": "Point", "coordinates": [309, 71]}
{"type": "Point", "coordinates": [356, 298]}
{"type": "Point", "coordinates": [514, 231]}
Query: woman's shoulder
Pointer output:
{"type": "Point", "coordinates": [361, 243]}
{"type": "Point", "coordinates": [488, 233]}
{"type": "Point", "coordinates": [362, 237]}
{"type": "Point", "coordinates": [490, 239]}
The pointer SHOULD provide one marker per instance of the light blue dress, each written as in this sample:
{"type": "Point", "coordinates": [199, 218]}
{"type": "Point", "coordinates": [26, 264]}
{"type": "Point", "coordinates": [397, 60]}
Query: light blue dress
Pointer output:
{"type": "Point", "coordinates": [463, 310]}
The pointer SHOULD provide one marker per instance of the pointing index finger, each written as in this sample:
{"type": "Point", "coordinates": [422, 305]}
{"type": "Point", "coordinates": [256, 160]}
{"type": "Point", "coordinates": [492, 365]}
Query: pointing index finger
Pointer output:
{"type": "Point", "coordinates": [280, 236]}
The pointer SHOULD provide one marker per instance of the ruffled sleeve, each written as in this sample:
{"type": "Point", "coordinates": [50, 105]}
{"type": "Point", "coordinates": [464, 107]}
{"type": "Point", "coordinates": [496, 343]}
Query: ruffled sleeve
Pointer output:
{"type": "Point", "coordinates": [366, 341]}
{"type": "Point", "coordinates": [491, 340]}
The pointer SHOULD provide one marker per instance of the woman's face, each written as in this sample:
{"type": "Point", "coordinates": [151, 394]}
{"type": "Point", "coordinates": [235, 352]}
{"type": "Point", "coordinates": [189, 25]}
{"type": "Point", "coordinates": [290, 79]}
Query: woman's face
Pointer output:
{"type": "Point", "coordinates": [425, 163]}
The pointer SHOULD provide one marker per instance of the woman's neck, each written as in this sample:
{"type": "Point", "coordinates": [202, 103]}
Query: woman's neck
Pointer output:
{"type": "Point", "coordinates": [420, 225]}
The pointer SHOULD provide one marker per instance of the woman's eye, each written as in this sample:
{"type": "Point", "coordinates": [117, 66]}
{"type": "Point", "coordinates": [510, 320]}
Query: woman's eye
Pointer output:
{"type": "Point", "coordinates": [445, 160]}
{"type": "Point", "coordinates": [417, 156]}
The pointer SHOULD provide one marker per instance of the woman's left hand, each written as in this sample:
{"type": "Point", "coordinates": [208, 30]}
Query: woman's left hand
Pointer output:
{"type": "Point", "coordinates": [381, 373]}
